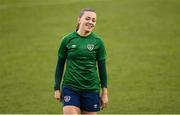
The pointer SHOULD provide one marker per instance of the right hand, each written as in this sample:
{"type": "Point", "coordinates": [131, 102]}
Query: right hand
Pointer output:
{"type": "Point", "coordinates": [57, 95]}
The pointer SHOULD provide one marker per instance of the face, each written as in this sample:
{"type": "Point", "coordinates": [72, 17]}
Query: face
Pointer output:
{"type": "Point", "coordinates": [87, 21]}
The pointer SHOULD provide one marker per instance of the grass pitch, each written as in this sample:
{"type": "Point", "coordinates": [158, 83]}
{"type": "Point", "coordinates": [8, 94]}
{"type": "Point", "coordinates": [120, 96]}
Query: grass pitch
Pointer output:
{"type": "Point", "coordinates": [142, 42]}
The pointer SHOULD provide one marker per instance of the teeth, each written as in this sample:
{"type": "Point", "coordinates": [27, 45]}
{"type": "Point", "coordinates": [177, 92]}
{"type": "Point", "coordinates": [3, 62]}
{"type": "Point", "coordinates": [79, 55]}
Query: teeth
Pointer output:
{"type": "Point", "coordinates": [89, 25]}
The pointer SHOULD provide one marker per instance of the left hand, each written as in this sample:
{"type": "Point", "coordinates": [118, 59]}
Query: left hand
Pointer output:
{"type": "Point", "coordinates": [104, 99]}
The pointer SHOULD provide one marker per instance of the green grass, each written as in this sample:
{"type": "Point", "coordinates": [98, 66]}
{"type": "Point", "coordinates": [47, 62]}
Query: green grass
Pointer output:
{"type": "Point", "coordinates": [142, 42]}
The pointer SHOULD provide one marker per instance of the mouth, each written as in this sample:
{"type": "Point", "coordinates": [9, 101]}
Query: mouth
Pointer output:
{"type": "Point", "coordinates": [89, 25]}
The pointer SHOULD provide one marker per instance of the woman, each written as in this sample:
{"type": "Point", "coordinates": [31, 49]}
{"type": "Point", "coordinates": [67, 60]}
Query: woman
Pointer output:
{"type": "Point", "coordinates": [81, 50]}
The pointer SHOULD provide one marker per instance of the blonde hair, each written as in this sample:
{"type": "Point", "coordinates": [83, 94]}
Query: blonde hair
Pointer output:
{"type": "Point", "coordinates": [82, 13]}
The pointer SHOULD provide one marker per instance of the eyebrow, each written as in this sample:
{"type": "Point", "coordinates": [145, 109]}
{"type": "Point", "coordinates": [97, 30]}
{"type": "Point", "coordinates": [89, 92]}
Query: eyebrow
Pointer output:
{"type": "Point", "coordinates": [90, 17]}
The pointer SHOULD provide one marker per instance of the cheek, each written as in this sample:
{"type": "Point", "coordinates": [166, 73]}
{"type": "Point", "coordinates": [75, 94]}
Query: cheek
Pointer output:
{"type": "Point", "coordinates": [82, 23]}
{"type": "Point", "coordinates": [94, 23]}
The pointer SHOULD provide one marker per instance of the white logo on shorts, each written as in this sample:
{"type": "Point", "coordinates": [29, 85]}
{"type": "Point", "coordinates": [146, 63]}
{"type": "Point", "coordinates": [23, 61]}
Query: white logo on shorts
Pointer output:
{"type": "Point", "coordinates": [67, 98]}
{"type": "Point", "coordinates": [95, 105]}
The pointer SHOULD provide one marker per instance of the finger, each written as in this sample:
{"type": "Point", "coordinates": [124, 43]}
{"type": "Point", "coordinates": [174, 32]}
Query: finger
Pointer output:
{"type": "Point", "coordinates": [57, 97]}
{"type": "Point", "coordinates": [102, 106]}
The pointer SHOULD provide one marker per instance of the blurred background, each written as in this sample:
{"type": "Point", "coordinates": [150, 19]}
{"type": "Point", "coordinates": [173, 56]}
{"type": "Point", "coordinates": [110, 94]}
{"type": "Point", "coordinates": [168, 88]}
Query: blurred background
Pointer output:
{"type": "Point", "coordinates": [142, 39]}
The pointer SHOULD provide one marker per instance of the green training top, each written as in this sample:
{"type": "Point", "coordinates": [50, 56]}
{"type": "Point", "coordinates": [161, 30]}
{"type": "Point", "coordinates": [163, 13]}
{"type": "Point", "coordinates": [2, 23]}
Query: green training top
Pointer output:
{"type": "Point", "coordinates": [81, 54]}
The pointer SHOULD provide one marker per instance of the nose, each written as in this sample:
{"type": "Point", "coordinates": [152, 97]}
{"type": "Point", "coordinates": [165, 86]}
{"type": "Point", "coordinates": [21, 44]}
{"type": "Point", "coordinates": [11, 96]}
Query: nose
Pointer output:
{"type": "Point", "coordinates": [90, 21]}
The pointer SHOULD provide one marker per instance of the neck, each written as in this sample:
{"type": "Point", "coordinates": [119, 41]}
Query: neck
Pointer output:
{"type": "Point", "coordinates": [83, 33]}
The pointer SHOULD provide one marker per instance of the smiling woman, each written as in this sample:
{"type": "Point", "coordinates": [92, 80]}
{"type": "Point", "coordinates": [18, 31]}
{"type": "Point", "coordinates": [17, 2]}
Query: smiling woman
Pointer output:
{"type": "Point", "coordinates": [87, 21]}
{"type": "Point", "coordinates": [81, 84]}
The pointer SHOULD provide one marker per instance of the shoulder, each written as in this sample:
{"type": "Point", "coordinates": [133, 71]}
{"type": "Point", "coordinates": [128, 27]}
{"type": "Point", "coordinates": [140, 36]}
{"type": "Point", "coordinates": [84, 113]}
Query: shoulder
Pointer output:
{"type": "Point", "coordinates": [68, 37]}
{"type": "Point", "coordinates": [97, 38]}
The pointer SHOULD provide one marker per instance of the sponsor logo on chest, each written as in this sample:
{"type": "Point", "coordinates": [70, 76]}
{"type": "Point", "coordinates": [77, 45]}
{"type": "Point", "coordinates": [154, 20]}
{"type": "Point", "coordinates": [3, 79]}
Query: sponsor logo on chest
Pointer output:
{"type": "Point", "coordinates": [73, 46]}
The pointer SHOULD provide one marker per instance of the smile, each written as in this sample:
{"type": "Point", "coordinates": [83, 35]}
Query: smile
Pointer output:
{"type": "Point", "coordinates": [89, 25]}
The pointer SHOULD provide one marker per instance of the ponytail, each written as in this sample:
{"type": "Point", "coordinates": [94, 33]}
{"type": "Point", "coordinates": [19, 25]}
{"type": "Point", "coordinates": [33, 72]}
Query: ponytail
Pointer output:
{"type": "Point", "coordinates": [77, 27]}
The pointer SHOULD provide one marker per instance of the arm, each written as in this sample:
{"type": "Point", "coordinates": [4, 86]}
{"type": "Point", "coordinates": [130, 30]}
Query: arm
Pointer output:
{"type": "Point", "coordinates": [58, 77]}
{"type": "Point", "coordinates": [62, 54]}
{"type": "Point", "coordinates": [59, 73]}
{"type": "Point", "coordinates": [103, 81]}
{"type": "Point", "coordinates": [102, 73]}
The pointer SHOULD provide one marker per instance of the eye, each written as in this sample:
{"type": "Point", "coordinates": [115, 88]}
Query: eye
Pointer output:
{"type": "Point", "coordinates": [87, 18]}
{"type": "Point", "coordinates": [93, 20]}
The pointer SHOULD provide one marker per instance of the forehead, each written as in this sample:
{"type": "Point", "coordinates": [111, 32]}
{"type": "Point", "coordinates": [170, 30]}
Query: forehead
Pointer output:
{"type": "Point", "coordinates": [89, 14]}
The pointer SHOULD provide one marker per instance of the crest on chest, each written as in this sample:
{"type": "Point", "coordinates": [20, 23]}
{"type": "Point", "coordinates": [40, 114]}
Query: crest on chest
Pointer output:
{"type": "Point", "coordinates": [90, 47]}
